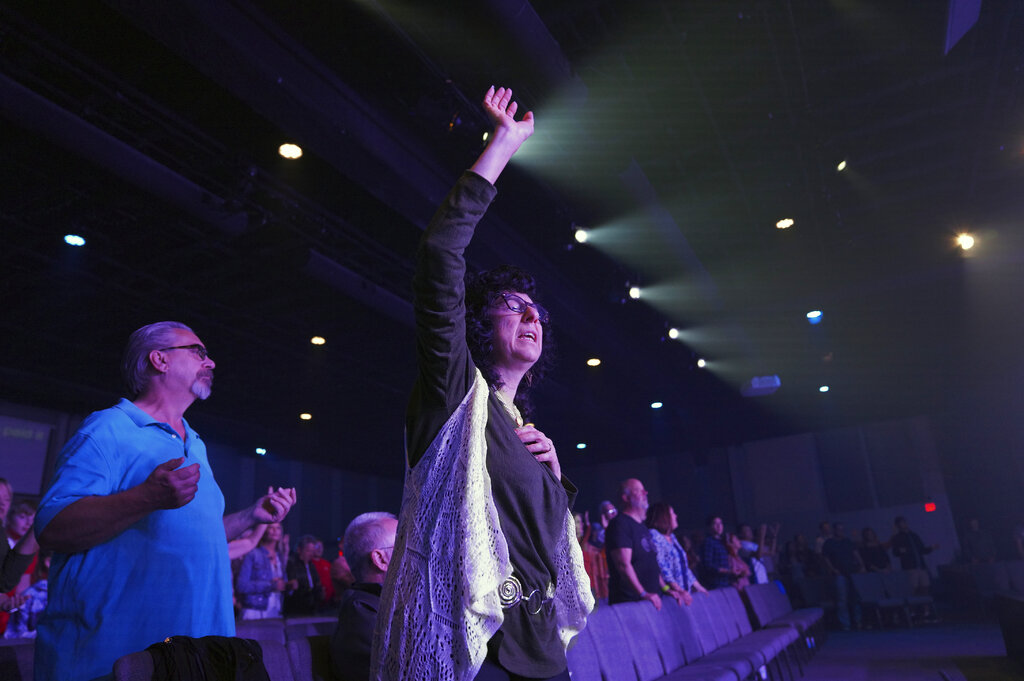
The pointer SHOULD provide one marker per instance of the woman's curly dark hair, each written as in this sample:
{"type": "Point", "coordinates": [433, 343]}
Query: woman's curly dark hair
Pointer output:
{"type": "Point", "coordinates": [481, 290]}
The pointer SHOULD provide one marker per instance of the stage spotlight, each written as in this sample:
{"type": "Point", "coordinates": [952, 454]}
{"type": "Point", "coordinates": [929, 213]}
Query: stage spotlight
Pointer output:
{"type": "Point", "coordinates": [823, 389]}
{"type": "Point", "coordinates": [814, 316]}
{"type": "Point", "coordinates": [656, 405]}
{"type": "Point", "coordinates": [74, 240]}
{"type": "Point", "coordinates": [965, 241]}
{"type": "Point", "coordinates": [305, 416]}
{"type": "Point", "coordinates": [261, 451]}
{"type": "Point", "coordinates": [634, 292]}
{"type": "Point", "coordinates": [317, 340]}
{"type": "Point", "coordinates": [581, 235]}
{"type": "Point", "coordinates": [673, 333]}
{"type": "Point", "coordinates": [701, 363]}
{"type": "Point", "coordinates": [593, 362]}
{"type": "Point", "coordinates": [784, 223]}
{"type": "Point", "coordinates": [290, 151]}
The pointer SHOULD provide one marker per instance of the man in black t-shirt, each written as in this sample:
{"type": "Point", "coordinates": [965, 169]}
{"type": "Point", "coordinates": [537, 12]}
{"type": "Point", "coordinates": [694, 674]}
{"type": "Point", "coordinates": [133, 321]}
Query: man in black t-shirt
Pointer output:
{"type": "Point", "coordinates": [633, 569]}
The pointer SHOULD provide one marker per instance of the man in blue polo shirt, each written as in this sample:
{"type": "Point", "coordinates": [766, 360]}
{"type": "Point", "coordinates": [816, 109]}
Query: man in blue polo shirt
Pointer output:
{"type": "Point", "coordinates": [136, 519]}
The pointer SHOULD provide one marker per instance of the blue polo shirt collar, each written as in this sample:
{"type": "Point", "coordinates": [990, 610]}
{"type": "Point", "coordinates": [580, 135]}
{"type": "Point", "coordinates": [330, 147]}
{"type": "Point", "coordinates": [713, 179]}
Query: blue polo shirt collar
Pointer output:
{"type": "Point", "coordinates": [141, 419]}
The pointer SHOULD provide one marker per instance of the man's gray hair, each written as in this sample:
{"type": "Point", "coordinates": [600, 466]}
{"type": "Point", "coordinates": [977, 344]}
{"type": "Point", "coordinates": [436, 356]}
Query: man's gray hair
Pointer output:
{"type": "Point", "coordinates": [135, 367]}
{"type": "Point", "coordinates": [362, 536]}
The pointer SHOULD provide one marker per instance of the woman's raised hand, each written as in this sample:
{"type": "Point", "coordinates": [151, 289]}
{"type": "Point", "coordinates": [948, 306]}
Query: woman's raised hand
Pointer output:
{"type": "Point", "coordinates": [509, 134]}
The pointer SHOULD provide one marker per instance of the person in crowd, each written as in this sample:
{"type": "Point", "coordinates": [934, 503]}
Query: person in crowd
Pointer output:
{"type": "Point", "coordinates": [247, 541]}
{"type": "Point", "coordinates": [675, 566]}
{"type": "Point", "coordinates": [136, 520]}
{"type": "Point", "coordinates": [740, 570]}
{"type": "Point", "coordinates": [978, 545]}
{"type": "Point", "coordinates": [19, 523]}
{"type": "Point", "coordinates": [753, 551]}
{"type": "Point", "coordinates": [692, 557]}
{"type": "Point", "coordinates": [261, 580]}
{"type": "Point", "coordinates": [907, 546]}
{"type": "Point", "coordinates": [504, 509]}
{"type": "Point", "coordinates": [594, 560]}
{"type": "Point", "coordinates": [842, 560]}
{"type": "Point", "coordinates": [305, 594]}
{"type": "Point", "coordinates": [606, 511]}
{"type": "Point", "coordinates": [32, 602]}
{"type": "Point", "coordinates": [632, 555]}
{"type": "Point", "coordinates": [797, 560]}
{"type": "Point", "coordinates": [714, 556]}
{"type": "Point", "coordinates": [873, 552]}
{"type": "Point", "coordinates": [14, 559]}
{"type": "Point", "coordinates": [323, 570]}
{"type": "Point", "coordinates": [371, 541]}
{"type": "Point", "coordinates": [341, 573]}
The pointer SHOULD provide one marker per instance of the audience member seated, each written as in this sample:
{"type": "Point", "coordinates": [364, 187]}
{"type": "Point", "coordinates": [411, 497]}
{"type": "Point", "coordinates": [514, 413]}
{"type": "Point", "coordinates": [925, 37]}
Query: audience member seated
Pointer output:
{"type": "Point", "coordinates": [594, 560]}
{"type": "Point", "coordinates": [31, 602]}
{"type": "Point", "coordinates": [873, 553]}
{"type": "Point", "coordinates": [739, 567]}
{"type": "Point", "coordinates": [978, 545]}
{"type": "Point", "coordinates": [607, 511]}
{"type": "Point", "coordinates": [675, 568]}
{"type": "Point", "coordinates": [305, 594]}
{"type": "Point", "coordinates": [261, 581]}
{"type": "Point", "coordinates": [842, 560]}
{"type": "Point", "coordinates": [370, 539]}
{"type": "Point", "coordinates": [632, 558]}
{"type": "Point", "coordinates": [716, 572]}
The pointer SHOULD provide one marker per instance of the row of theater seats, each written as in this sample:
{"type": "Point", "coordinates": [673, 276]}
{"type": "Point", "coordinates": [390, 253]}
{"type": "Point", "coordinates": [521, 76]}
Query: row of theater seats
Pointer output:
{"type": "Point", "coordinates": [878, 593]}
{"type": "Point", "coordinates": [715, 638]}
{"type": "Point", "coordinates": [294, 649]}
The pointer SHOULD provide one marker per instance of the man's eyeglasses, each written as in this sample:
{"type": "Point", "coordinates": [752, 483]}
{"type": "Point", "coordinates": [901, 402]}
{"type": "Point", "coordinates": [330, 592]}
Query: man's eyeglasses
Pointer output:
{"type": "Point", "coordinates": [519, 306]}
{"type": "Point", "coordinates": [200, 351]}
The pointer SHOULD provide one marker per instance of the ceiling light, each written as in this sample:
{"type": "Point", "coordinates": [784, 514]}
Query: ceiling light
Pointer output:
{"type": "Point", "coordinates": [581, 445]}
{"type": "Point", "coordinates": [814, 316]}
{"type": "Point", "coordinates": [290, 151]}
{"type": "Point", "coordinates": [581, 235]}
{"type": "Point", "coordinates": [656, 405]}
{"type": "Point", "coordinates": [306, 416]}
{"type": "Point", "coordinates": [74, 240]}
{"type": "Point", "coordinates": [784, 223]}
{"type": "Point", "coordinates": [701, 363]}
{"type": "Point", "coordinates": [486, 135]}
{"type": "Point", "coordinates": [841, 167]}
{"type": "Point", "coordinates": [965, 241]}
{"type": "Point", "coordinates": [823, 389]}
{"type": "Point", "coordinates": [634, 292]}
{"type": "Point", "coordinates": [673, 333]}
{"type": "Point", "coordinates": [317, 340]}
{"type": "Point", "coordinates": [261, 451]}
{"type": "Point", "coordinates": [593, 362]}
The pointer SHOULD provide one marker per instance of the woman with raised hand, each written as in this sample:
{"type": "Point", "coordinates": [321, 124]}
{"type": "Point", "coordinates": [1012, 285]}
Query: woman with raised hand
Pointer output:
{"type": "Point", "coordinates": [487, 578]}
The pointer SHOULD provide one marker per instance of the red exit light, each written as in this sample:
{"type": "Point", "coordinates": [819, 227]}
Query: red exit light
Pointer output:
{"type": "Point", "coordinates": [929, 507]}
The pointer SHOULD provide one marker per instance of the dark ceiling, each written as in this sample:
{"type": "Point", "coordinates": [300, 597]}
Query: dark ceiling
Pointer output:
{"type": "Point", "coordinates": [679, 131]}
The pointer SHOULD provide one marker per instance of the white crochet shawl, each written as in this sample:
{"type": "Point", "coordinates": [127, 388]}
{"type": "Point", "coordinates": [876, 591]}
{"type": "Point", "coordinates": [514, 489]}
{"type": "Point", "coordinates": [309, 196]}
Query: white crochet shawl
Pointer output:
{"type": "Point", "coordinates": [440, 603]}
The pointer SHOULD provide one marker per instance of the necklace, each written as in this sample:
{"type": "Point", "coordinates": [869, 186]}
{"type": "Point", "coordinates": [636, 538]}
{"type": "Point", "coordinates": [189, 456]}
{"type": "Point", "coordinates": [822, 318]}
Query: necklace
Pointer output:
{"type": "Point", "coordinates": [511, 409]}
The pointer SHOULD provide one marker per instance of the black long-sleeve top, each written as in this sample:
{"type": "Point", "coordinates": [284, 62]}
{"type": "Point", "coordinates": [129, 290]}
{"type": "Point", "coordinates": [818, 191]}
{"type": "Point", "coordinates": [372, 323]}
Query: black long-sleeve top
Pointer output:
{"type": "Point", "coordinates": [531, 502]}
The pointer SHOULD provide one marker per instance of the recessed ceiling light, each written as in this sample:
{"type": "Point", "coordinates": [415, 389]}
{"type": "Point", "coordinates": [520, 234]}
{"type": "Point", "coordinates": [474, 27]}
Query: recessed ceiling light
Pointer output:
{"type": "Point", "coordinates": [823, 389]}
{"type": "Point", "coordinates": [581, 445]}
{"type": "Point", "coordinates": [841, 167]}
{"type": "Point", "coordinates": [261, 451]}
{"type": "Point", "coordinates": [290, 151]}
{"type": "Point", "coordinates": [74, 240]}
{"type": "Point", "coordinates": [656, 405]}
{"type": "Point", "coordinates": [814, 316]}
{"type": "Point", "coordinates": [593, 362]}
{"type": "Point", "coordinates": [317, 340]}
{"type": "Point", "coordinates": [965, 241]}
{"type": "Point", "coordinates": [306, 416]}
{"type": "Point", "coordinates": [784, 223]}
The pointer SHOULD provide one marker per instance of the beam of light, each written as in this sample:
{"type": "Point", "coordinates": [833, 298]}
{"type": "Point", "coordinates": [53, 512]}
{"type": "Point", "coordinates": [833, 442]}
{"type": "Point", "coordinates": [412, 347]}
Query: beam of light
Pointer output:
{"type": "Point", "coordinates": [317, 340]}
{"type": "Point", "coordinates": [784, 223]}
{"type": "Point", "coordinates": [656, 405]}
{"type": "Point", "coordinates": [74, 240]}
{"type": "Point", "coordinates": [593, 362]}
{"type": "Point", "coordinates": [965, 241]}
{"type": "Point", "coordinates": [290, 151]}
{"type": "Point", "coordinates": [306, 416]}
